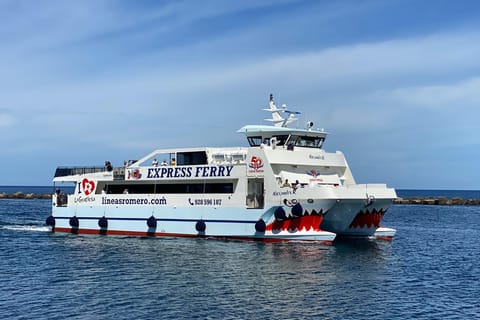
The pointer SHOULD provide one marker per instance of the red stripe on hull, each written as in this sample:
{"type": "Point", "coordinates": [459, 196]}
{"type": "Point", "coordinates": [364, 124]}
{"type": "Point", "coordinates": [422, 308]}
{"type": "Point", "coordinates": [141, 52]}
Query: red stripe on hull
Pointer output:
{"type": "Point", "coordinates": [384, 238]}
{"type": "Point", "coordinates": [160, 234]}
{"type": "Point", "coordinates": [120, 232]}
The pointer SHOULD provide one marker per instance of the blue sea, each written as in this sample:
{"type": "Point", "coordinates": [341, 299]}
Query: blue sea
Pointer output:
{"type": "Point", "coordinates": [431, 270]}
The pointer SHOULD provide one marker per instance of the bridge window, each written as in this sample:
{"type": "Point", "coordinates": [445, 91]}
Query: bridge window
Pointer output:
{"type": "Point", "coordinates": [281, 140]}
{"type": "Point", "coordinates": [254, 141]}
{"type": "Point", "coordinates": [191, 158]}
{"type": "Point", "coordinates": [307, 142]}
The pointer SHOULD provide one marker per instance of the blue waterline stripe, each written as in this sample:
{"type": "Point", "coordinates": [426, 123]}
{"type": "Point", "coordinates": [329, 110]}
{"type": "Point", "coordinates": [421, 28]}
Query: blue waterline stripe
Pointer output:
{"type": "Point", "coordinates": [159, 219]}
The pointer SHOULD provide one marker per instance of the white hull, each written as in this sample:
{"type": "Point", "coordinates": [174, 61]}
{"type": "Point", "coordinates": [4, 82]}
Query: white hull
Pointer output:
{"type": "Point", "coordinates": [231, 223]}
{"type": "Point", "coordinates": [283, 187]}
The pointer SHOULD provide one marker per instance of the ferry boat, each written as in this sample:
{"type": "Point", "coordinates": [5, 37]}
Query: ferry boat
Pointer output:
{"type": "Point", "coordinates": [283, 186]}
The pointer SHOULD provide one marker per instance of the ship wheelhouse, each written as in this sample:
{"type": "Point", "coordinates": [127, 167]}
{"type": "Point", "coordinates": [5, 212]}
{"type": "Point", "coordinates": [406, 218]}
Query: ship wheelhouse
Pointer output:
{"type": "Point", "coordinates": [258, 136]}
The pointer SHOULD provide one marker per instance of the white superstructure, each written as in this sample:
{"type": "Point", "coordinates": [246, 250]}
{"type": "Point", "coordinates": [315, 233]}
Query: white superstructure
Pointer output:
{"type": "Point", "coordinates": [284, 186]}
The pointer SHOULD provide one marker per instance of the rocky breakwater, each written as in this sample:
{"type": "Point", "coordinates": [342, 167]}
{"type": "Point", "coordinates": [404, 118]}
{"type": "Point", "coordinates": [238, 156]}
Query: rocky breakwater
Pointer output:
{"type": "Point", "coordinates": [440, 201]}
{"type": "Point", "coordinates": [21, 195]}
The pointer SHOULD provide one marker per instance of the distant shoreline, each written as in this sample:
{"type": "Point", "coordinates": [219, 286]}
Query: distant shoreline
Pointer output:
{"type": "Point", "coordinates": [439, 201]}
{"type": "Point", "coordinates": [21, 195]}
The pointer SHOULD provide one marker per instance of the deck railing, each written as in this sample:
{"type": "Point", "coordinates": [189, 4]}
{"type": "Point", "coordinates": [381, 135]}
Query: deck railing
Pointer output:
{"type": "Point", "coordinates": [118, 172]}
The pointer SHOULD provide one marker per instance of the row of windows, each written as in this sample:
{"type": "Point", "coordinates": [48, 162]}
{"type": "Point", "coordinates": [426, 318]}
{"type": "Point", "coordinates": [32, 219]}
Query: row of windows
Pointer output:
{"type": "Point", "coordinates": [298, 141]}
{"type": "Point", "coordinates": [170, 188]}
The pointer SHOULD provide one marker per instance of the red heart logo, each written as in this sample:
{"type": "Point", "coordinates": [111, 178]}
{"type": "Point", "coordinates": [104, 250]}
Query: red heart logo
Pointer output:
{"type": "Point", "coordinates": [88, 186]}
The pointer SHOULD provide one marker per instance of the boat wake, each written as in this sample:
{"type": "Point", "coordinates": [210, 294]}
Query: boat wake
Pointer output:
{"type": "Point", "coordinates": [33, 228]}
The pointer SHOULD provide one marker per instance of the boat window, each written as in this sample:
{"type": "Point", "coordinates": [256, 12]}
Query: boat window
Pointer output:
{"type": "Point", "coordinates": [68, 171]}
{"type": "Point", "coordinates": [255, 194]}
{"type": "Point", "coordinates": [307, 142]}
{"type": "Point", "coordinates": [219, 188]}
{"type": "Point", "coordinates": [180, 188]}
{"type": "Point", "coordinates": [191, 158]}
{"type": "Point", "coordinates": [254, 141]}
{"type": "Point", "coordinates": [281, 140]}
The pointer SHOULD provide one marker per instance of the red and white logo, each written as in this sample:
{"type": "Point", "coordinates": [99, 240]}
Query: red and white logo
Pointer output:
{"type": "Point", "coordinates": [315, 175]}
{"type": "Point", "coordinates": [312, 173]}
{"type": "Point", "coordinates": [256, 164]}
{"type": "Point", "coordinates": [134, 174]}
{"type": "Point", "coordinates": [88, 186]}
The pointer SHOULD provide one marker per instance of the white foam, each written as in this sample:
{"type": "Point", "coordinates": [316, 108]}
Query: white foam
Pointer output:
{"type": "Point", "coordinates": [27, 228]}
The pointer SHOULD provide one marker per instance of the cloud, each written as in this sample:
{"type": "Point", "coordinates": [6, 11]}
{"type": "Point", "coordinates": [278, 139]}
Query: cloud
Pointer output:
{"type": "Point", "coordinates": [359, 86]}
{"type": "Point", "coordinates": [6, 119]}
{"type": "Point", "coordinates": [113, 77]}
{"type": "Point", "coordinates": [386, 63]}
{"type": "Point", "coordinates": [463, 94]}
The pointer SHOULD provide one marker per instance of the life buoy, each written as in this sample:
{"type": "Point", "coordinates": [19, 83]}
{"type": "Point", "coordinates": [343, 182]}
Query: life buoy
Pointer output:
{"type": "Point", "coordinates": [74, 223]}
{"type": "Point", "coordinates": [200, 226]}
{"type": "Point", "coordinates": [152, 222]}
{"type": "Point", "coordinates": [103, 222]}
{"type": "Point", "coordinates": [260, 226]}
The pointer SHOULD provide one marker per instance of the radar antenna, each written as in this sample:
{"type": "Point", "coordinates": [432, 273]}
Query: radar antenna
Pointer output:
{"type": "Point", "coordinates": [277, 118]}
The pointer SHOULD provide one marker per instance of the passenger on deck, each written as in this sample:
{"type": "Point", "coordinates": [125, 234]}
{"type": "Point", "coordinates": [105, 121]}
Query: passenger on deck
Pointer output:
{"type": "Point", "coordinates": [172, 162]}
{"type": "Point", "coordinates": [296, 185]}
{"type": "Point", "coordinates": [58, 192]}
{"type": "Point", "coordinates": [155, 162]}
{"type": "Point", "coordinates": [108, 166]}
{"type": "Point", "coordinates": [125, 191]}
{"type": "Point", "coordinates": [286, 184]}
{"type": "Point", "coordinates": [264, 143]}
{"type": "Point", "coordinates": [164, 163]}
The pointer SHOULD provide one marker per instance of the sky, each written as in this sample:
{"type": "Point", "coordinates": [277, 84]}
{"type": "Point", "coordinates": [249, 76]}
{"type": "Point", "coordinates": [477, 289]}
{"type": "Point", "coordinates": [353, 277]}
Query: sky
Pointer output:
{"type": "Point", "coordinates": [396, 83]}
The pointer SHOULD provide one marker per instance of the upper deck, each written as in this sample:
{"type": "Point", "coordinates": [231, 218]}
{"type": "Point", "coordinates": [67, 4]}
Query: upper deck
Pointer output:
{"type": "Point", "coordinates": [279, 134]}
{"type": "Point", "coordinates": [275, 137]}
{"type": "Point", "coordinates": [283, 137]}
{"type": "Point", "coordinates": [168, 157]}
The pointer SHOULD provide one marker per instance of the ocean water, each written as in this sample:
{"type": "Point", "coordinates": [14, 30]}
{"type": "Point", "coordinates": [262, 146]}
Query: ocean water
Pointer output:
{"type": "Point", "coordinates": [431, 270]}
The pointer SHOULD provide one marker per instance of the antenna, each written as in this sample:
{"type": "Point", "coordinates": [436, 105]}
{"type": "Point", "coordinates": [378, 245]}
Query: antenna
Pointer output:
{"type": "Point", "coordinates": [277, 118]}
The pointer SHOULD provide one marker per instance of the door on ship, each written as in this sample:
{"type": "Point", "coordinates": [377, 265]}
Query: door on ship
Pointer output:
{"type": "Point", "coordinates": [255, 196]}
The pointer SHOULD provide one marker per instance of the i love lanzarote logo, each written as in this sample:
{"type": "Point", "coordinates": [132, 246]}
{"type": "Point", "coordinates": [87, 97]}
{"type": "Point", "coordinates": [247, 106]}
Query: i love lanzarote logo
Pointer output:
{"type": "Point", "coordinates": [88, 186]}
{"type": "Point", "coordinates": [134, 174]}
